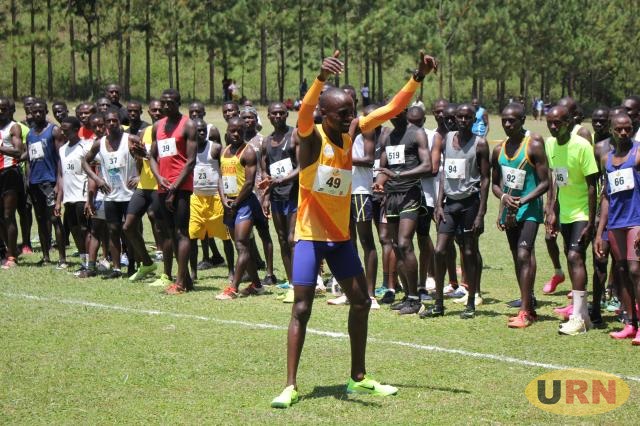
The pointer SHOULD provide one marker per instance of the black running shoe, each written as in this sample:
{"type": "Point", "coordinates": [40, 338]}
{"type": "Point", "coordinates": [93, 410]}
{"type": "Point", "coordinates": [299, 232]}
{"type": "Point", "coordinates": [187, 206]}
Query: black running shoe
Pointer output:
{"type": "Point", "coordinates": [434, 311]}
{"type": "Point", "coordinates": [388, 298]}
{"type": "Point", "coordinates": [468, 313]}
{"type": "Point", "coordinates": [412, 306]}
{"type": "Point", "coordinates": [114, 274]}
{"type": "Point", "coordinates": [399, 305]}
{"type": "Point", "coordinates": [269, 280]}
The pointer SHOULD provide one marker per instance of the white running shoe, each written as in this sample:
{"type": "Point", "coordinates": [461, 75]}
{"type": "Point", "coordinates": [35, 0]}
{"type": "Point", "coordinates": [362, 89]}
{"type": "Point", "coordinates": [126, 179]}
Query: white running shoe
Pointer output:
{"type": "Point", "coordinates": [430, 285]}
{"type": "Point", "coordinates": [573, 327]}
{"type": "Point", "coordinates": [374, 303]}
{"type": "Point", "coordinates": [342, 300]}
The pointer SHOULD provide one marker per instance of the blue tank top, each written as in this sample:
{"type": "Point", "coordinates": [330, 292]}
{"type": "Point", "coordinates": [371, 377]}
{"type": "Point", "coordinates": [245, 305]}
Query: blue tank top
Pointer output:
{"type": "Point", "coordinates": [43, 156]}
{"type": "Point", "coordinates": [623, 189]}
{"type": "Point", "coordinates": [479, 128]}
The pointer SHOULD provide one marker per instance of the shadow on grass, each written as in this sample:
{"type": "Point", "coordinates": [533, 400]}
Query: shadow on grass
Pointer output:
{"type": "Point", "coordinates": [338, 392]}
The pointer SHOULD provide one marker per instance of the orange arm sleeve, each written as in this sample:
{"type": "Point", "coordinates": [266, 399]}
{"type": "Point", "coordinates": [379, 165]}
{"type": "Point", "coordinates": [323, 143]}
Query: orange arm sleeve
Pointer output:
{"type": "Point", "coordinates": [308, 106]}
{"type": "Point", "coordinates": [390, 110]}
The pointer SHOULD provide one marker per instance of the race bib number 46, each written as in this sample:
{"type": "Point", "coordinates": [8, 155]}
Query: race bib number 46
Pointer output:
{"type": "Point", "coordinates": [621, 180]}
{"type": "Point", "coordinates": [562, 176]}
{"type": "Point", "coordinates": [36, 151]}
{"type": "Point", "coordinates": [454, 168]}
{"type": "Point", "coordinates": [513, 178]}
{"type": "Point", "coordinates": [167, 147]}
{"type": "Point", "coordinates": [395, 154]}
{"type": "Point", "coordinates": [281, 168]}
{"type": "Point", "coordinates": [332, 181]}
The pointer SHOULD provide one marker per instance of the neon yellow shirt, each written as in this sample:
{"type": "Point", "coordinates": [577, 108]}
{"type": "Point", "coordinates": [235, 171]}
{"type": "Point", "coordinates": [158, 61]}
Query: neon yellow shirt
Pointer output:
{"type": "Point", "coordinates": [147, 179]}
{"type": "Point", "coordinates": [570, 164]}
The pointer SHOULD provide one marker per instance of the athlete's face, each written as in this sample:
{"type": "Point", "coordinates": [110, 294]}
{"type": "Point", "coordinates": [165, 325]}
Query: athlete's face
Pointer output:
{"type": "Point", "coordinates": [600, 121]}
{"type": "Point", "coordinates": [38, 113]}
{"type": "Point", "coordinates": [134, 111]}
{"type": "Point", "coordinates": [633, 110]}
{"type": "Point", "coordinates": [170, 105]}
{"type": "Point", "coordinates": [464, 118]}
{"type": "Point", "coordinates": [622, 129]}
{"type": "Point", "coordinates": [278, 115]}
{"type": "Point", "coordinates": [400, 120]}
{"type": "Point", "coordinates": [229, 111]}
{"type": "Point", "coordinates": [339, 114]}
{"type": "Point", "coordinates": [113, 93]}
{"type": "Point", "coordinates": [60, 112]}
{"type": "Point", "coordinates": [438, 113]}
{"type": "Point", "coordinates": [68, 131]}
{"type": "Point", "coordinates": [512, 122]}
{"type": "Point", "coordinates": [103, 104]}
{"type": "Point", "coordinates": [201, 132]}
{"type": "Point", "coordinates": [5, 111]}
{"type": "Point", "coordinates": [83, 113]}
{"type": "Point", "coordinates": [250, 121]}
{"type": "Point", "coordinates": [112, 121]}
{"type": "Point", "coordinates": [235, 132]}
{"type": "Point", "coordinates": [98, 126]}
{"type": "Point", "coordinates": [558, 123]}
{"type": "Point", "coordinates": [155, 111]}
{"type": "Point", "coordinates": [450, 119]}
{"type": "Point", "coordinates": [196, 111]}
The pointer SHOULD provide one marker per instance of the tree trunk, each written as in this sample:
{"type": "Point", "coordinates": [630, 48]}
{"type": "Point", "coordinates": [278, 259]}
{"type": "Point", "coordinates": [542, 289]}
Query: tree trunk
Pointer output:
{"type": "Point", "coordinates": [14, 30]}
{"type": "Point", "coordinates": [119, 50]}
{"type": "Point", "coordinates": [282, 66]}
{"type": "Point", "coordinates": [72, 43]}
{"type": "Point", "coordinates": [366, 69]}
{"type": "Point", "coordinates": [373, 90]}
{"type": "Point", "coordinates": [212, 84]}
{"type": "Point", "coordinates": [90, 54]}
{"type": "Point", "coordinates": [49, 61]}
{"type": "Point", "coordinates": [33, 50]}
{"type": "Point", "coordinates": [380, 85]}
{"type": "Point", "coordinates": [335, 47]}
{"type": "Point", "coordinates": [170, 65]}
{"type": "Point", "coordinates": [300, 47]}
{"type": "Point", "coordinates": [346, 62]}
{"type": "Point", "coordinates": [450, 74]}
{"type": "Point", "coordinates": [98, 53]}
{"type": "Point", "coordinates": [542, 82]}
{"type": "Point", "coordinates": [263, 66]}
{"type": "Point", "coordinates": [176, 57]}
{"type": "Point", "coordinates": [147, 54]}
{"type": "Point", "coordinates": [127, 51]}
{"type": "Point", "coordinates": [481, 90]}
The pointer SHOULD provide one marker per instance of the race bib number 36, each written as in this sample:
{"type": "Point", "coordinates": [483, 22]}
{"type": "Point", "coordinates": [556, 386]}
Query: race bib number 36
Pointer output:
{"type": "Point", "coordinates": [281, 168]}
{"type": "Point", "coordinates": [454, 168]}
{"type": "Point", "coordinates": [621, 180]}
{"type": "Point", "coordinates": [395, 154]}
{"type": "Point", "coordinates": [562, 176]}
{"type": "Point", "coordinates": [332, 181]}
{"type": "Point", "coordinates": [167, 147]}
{"type": "Point", "coordinates": [513, 178]}
{"type": "Point", "coordinates": [36, 151]}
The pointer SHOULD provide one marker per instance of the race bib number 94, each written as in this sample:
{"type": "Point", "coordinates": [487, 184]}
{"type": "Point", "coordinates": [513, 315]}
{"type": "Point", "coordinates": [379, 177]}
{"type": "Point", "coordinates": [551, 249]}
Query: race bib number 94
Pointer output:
{"type": "Point", "coordinates": [332, 181]}
{"type": "Point", "coordinates": [513, 178]}
{"type": "Point", "coordinates": [621, 180]}
{"type": "Point", "coordinates": [454, 168]}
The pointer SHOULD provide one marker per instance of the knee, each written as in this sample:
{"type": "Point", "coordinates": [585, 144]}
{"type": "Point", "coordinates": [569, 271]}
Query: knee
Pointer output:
{"type": "Point", "coordinates": [575, 258]}
{"type": "Point", "coordinates": [634, 270]}
{"type": "Point", "coordinates": [523, 258]}
{"type": "Point", "coordinates": [301, 311]}
{"type": "Point", "coordinates": [405, 246]}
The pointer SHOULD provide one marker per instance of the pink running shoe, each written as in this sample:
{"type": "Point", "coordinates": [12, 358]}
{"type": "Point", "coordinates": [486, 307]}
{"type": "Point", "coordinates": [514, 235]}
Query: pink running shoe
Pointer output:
{"type": "Point", "coordinates": [26, 250]}
{"type": "Point", "coordinates": [551, 285]}
{"type": "Point", "coordinates": [564, 312]}
{"type": "Point", "coordinates": [628, 332]}
{"type": "Point", "coordinates": [636, 341]}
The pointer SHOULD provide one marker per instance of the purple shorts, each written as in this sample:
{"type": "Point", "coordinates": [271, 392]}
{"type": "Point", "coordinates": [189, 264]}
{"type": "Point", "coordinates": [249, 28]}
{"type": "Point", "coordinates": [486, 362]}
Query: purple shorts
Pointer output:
{"type": "Point", "coordinates": [341, 257]}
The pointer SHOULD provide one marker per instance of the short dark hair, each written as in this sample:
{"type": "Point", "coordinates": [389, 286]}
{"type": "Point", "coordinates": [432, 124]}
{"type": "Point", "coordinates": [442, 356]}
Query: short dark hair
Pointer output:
{"type": "Point", "coordinates": [75, 123]}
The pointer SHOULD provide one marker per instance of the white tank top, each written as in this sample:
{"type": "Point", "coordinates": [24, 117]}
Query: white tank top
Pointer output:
{"type": "Point", "coordinates": [5, 139]}
{"type": "Point", "coordinates": [430, 184]}
{"type": "Point", "coordinates": [74, 179]}
{"type": "Point", "coordinates": [362, 177]}
{"type": "Point", "coordinates": [117, 167]}
{"type": "Point", "coordinates": [206, 173]}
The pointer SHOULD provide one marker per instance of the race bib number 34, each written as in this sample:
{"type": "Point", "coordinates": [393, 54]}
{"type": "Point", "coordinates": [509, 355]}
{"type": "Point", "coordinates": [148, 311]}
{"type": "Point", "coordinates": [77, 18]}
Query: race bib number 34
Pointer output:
{"type": "Point", "coordinates": [621, 180]}
{"type": "Point", "coordinates": [454, 168]}
{"type": "Point", "coordinates": [562, 176]}
{"type": "Point", "coordinates": [281, 168]}
{"type": "Point", "coordinates": [167, 147]}
{"type": "Point", "coordinates": [513, 178]}
{"type": "Point", "coordinates": [332, 181]}
{"type": "Point", "coordinates": [395, 154]}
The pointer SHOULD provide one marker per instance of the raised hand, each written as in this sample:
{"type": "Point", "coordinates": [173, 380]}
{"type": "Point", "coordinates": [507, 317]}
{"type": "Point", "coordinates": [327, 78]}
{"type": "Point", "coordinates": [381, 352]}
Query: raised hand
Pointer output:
{"type": "Point", "coordinates": [426, 65]}
{"type": "Point", "coordinates": [331, 66]}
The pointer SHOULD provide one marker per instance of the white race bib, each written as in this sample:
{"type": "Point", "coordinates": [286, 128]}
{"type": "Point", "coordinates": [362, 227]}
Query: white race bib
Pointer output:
{"type": "Point", "coordinates": [167, 147]}
{"type": "Point", "coordinates": [281, 168]}
{"type": "Point", "coordinates": [230, 184]}
{"type": "Point", "coordinates": [621, 180]}
{"type": "Point", "coordinates": [376, 165]}
{"type": "Point", "coordinates": [114, 161]}
{"type": "Point", "coordinates": [454, 168]}
{"type": "Point", "coordinates": [203, 176]}
{"type": "Point", "coordinates": [36, 151]}
{"type": "Point", "coordinates": [72, 166]}
{"type": "Point", "coordinates": [395, 154]}
{"type": "Point", "coordinates": [562, 176]}
{"type": "Point", "coordinates": [513, 178]}
{"type": "Point", "coordinates": [332, 181]}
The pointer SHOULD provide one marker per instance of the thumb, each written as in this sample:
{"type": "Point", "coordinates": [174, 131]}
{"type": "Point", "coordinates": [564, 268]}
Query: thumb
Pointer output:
{"type": "Point", "coordinates": [421, 56]}
{"type": "Point", "coordinates": [336, 53]}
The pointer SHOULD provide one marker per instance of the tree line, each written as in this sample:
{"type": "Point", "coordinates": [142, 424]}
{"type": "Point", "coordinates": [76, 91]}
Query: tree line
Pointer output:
{"type": "Point", "coordinates": [491, 49]}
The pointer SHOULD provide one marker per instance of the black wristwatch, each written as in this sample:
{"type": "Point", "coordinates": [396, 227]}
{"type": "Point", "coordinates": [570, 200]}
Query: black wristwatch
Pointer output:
{"type": "Point", "coordinates": [416, 76]}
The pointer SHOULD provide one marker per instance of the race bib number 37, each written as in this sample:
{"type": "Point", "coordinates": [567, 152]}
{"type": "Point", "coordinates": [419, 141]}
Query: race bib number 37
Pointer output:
{"type": "Point", "coordinates": [513, 178]}
{"type": "Point", "coordinates": [621, 180]}
{"type": "Point", "coordinates": [167, 147]}
{"type": "Point", "coordinates": [332, 181]}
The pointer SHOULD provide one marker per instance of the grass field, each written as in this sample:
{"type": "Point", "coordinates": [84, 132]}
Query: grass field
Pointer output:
{"type": "Point", "coordinates": [103, 352]}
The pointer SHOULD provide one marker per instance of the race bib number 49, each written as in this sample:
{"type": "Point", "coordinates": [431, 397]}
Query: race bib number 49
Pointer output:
{"type": "Point", "coordinates": [395, 154]}
{"type": "Point", "coordinates": [332, 181]}
{"type": "Point", "coordinates": [562, 176]}
{"type": "Point", "coordinates": [513, 178]}
{"type": "Point", "coordinates": [621, 180]}
{"type": "Point", "coordinates": [167, 147]}
{"type": "Point", "coordinates": [454, 168]}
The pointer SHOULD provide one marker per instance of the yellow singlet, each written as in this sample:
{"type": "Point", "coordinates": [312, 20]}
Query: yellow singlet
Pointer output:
{"type": "Point", "coordinates": [233, 175]}
{"type": "Point", "coordinates": [325, 193]}
{"type": "Point", "coordinates": [147, 179]}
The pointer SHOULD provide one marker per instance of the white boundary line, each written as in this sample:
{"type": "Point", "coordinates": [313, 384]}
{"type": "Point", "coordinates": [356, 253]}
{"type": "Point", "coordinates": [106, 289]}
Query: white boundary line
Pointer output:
{"type": "Point", "coordinates": [334, 335]}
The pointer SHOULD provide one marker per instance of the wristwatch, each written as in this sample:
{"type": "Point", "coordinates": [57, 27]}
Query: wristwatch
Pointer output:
{"type": "Point", "coordinates": [397, 173]}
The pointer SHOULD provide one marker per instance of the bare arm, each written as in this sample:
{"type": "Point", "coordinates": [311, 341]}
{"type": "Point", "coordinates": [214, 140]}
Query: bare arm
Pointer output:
{"type": "Point", "coordinates": [496, 172]}
{"type": "Point", "coordinates": [86, 166]}
{"type": "Point", "coordinates": [482, 157]}
{"type": "Point", "coordinates": [538, 156]}
{"type": "Point", "coordinates": [250, 162]}
{"type": "Point", "coordinates": [16, 149]}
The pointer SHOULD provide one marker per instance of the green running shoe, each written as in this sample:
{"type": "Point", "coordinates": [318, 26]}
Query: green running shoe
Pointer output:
{"type": "Point", "coordinates": [163, 281]}
{"type": "Point", "coordinates": [143, 272]}
{"type": "Point", "coordinates": [370, 387]}
{"type": "Point", "coordinates": [286, 399]}
{"type": "Point", "coordinates": [289, 297]}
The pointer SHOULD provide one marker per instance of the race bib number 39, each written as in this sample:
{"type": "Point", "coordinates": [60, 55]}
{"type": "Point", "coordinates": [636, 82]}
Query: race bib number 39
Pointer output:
{"type": "Point", "coordinates": [36, 151]}
{"type": "Point", "coordinates": [513, 178]}
{"type": "Point", "coordinates": [395, 154]}
{"type": "Point", "coordinates": [621, 180]}
{"type": "Point", "coordinates": [454, 168]}
{"type": "Point", "coordinates": [562, 176]}
{"type": "Point", "coordinates": [167, 147]}
{"type": "Point", "coordinates": [281, 168]}
{"type": "Point", "coordinates": [332, 181]}
{"type": "Point", "coordinates": [230, 185]}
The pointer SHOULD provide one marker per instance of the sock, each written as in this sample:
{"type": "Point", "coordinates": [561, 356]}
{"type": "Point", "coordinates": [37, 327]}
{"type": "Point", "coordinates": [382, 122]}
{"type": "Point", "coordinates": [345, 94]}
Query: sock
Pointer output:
{"type": "Point", "coordinates": [413, 298]}
{"type": "Point", "coordinates": [91, 265]}
{"type": "Point", "coordinates": [392, 290]}
{"type": "Point", "coordinates": [559, 271]}
{"type": "Point", "coordinates": [385, 280]}
{"type": "Point", "coordinates": [580, 304]}
{"type": "Point", "coordinates": [84, 259]}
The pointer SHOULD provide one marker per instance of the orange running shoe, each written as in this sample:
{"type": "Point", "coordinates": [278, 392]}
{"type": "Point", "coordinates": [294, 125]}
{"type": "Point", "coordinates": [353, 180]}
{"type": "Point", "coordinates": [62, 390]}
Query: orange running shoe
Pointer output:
{"type": "Point", "coordinates": [229, 293]}
{"type": "Point", "coordinates": [174, 289]}
{"type": "Point", "coordinates": [523, 320]}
